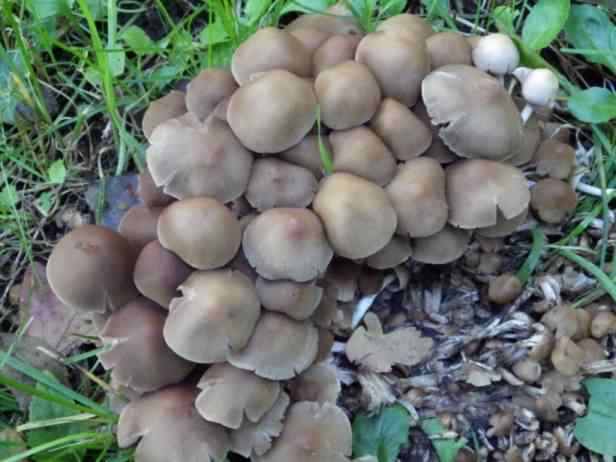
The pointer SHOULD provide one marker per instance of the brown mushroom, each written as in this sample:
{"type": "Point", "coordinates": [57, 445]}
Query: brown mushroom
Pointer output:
{"type": "Point", "coordinates": [567, 357]}
{"type": "Point", "coordinates": [307, 154]}
{"type": "Point", "coordinates": [361, 152]}
{"type": "Point", "coordinates": [201, 231]}
{"type": "Point", "coordinates": [593, 351]}
{"type": "Point", "coordinates": [347, 203]}
{"type": "Point", "coordinates": [341, 277]}
{"type": "Point", "coordinates": [90, 269]}
{"type": "Point", "coordinates": [553, 200]}
{"type": "Point", "coordinates": [531, 137]}
{"type": "Point", "coordinates": [170, 106]}
{"type": "Point", "coordinates": [214, 317]}
{"type": "Point", "coordinates": [286, 111]}
{"type": "Point", "coordinates": [279, 349]}
{"type": "Point", "coordinates": [298, 300]}
{"type": "Point", "coordinates": [527, 370]}
{"type": "Point", "coordinates": [139, 358]}
{"type": "Point", "coordinates": [287, 243]}
{"type": "Point", "coordinates": [311, 37]}
{"type": "Point", "coordinates": [562, 320]}
{"type": "Point", "coordinates": [318, 384]}
{"type": "Point", "coordinates": [158, 273]}
{"type": "Point", "coordinates": [541, 345]}
{"type": "Point", "coordinates": [504, 289]}
{"type": "Point", "coordinates": [557, 131]}
{"type": "Point", "coordinates": [335, 50]}
{"type": "Point", "coordinates": [170, 429]}
{"type": "Point", "coordinates": [438, 150]}
{"type": "Point", "coordinates": [407, 26]}
{"type": "Point", "coordinates": [207, 90]}
{"type": "Point", "coordinates": [555, 159]}
{"type": "Point", "coordinates": [603, 323]}
{"type": "Point", "coordinates": [504, 227]}
{"type": "Point", "coordinates": [448, 48]}
{"type": "Point", "coordinates": [138, 225]}
{"type": "Point", "coordinates": [335, 21]}
{"type": "Point", "coordinates": [501, 423]}
{"type": "Point", "coordinates": [150, 194]}
{"type": "Point", "coordinates": [396, 252]}
{"type": "Point", "coordinates": [446, 246]}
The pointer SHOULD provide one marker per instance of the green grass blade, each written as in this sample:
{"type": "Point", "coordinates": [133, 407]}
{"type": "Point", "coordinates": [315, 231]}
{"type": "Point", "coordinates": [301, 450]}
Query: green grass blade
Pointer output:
{"type": "Point", "coordinates": [593, 269]}
{"type": "Point", "coordinates": [525, 272]}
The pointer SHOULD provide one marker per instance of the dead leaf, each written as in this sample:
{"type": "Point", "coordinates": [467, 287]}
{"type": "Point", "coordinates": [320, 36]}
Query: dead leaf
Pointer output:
{"type": "Point", "coordinates": [479, 376]}
{"type": "Point", "coordinates": [377, 351]}
{"type": "Point", "coordinates": [120, 194]}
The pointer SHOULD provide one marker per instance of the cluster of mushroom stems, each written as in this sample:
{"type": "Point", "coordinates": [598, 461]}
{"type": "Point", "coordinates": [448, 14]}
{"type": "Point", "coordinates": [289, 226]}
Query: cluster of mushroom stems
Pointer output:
{"type": "Point", "coordinates": [213, 296]}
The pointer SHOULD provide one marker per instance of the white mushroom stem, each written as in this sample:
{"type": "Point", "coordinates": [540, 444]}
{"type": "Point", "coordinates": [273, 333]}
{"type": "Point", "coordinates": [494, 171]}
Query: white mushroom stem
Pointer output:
{"type": "Point", "coordinates": [526, 113]}
{"type": "Point", "coordinates": [593, 190]}
{"type": "Point", "coordinates": [364, 303]}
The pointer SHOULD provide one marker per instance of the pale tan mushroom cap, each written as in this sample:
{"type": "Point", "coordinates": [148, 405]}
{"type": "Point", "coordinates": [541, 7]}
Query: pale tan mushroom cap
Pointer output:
{"type": "Point", "coordinates": [335, 50]}
{"type": "Point", "coordinates": [214, 317]}
{"type": "Point", "coordinates": [417, 193]}
{"type": "Point", "coordinates": [531, 136]}
{"type": "Point", "coordinates": [552, 200]}
{"type": "Point", "coordinates": [318, 384]}
{"type": "Point", "coordinates": [446, 246]}
{"type": "Point", "coordinates": [358, 216]}
{"type": "Point", "coordinates": [229, 394]}
{"type": "Point", "coordinates": [170, 428]}
{"type": "Point", "coordinates": [276, 183]}
{"type": "Point", "coordinates": [477, 190]}
{"type": "Point", "coordinates": [341, 277]}
{"type": "Point", "coordinates": [307, 154]}
{"type": "Point", "coordinates": [207, 90]}
{"type": "Point", "coordinates": [298, 300]}
{"type": "Point", "coordinates": [555, 159]}
{"type": "Point", "coordinates": [279, 349]}
{"type": "Point", "coordinates": [504, 227]}
{"type": "Point", "coordinates": [190, 159]}
{"type": "Point", "coordinates": [334, 23]}
{"type": "Point", "coordinates": [313, 432]}
{"type": "Point", "coordinates": [150, 194]}
{"type": "Point", "coordinates": [396, 252]}
{"type": "Point", "coordinates": [90, 269]}
{"type": "Point", "coordinates": [310, 37]}
{"type": "Point", "coordinates": [138, 225]}
{"type": "Point", "coordinates": [140, 359]}
{"type": "Point", "coordinates": [268, 49]}
{"type": "Point", "coordinates": [407, 26]}
{"type": "Point", "coordinates": [170, 106]}
{"type": "Point", "coordinates": [448, 48]}
{"type": "Point", "coordinates": [480, 118]}
{"type": "Point", "coordinates": [287, 243]}
{"type": "Point", "coordinates": [361, 152]}
{"type": "Point", "coordinates": [201, 231]}
{"type": "Point", "coordinates": [273, 112]}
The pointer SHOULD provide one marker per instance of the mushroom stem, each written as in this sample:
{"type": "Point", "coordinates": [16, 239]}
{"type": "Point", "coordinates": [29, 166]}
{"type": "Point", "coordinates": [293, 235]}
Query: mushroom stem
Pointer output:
{"type": "Point", "coordinates": [526, 113]}
{"type": "Point", "coordinates": [512, 84]}
{"type": "Point", "coordinates": [593, 190]}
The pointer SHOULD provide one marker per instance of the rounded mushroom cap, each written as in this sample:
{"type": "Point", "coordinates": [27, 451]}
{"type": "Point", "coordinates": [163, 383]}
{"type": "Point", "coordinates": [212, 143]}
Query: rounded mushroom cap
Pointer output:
{"type": "Point", "coordinates": [527, 370]}
{"type": "Point", "coordinates": [555, 159]}
{"type": "Point", "coordinates": [214, 317]}
{"type": "Point", "coordinates": [417, 193]}
{"type": "Point", "coordinates": [504, 227]}
{"type": "Point", "coordinates": [446, 246]}
{"type": "Point", "coordinates": [531, 136]}
{"type": "Point", "coordinates": [567, 357]}
{"type": "Point", "coordinates": [138, 225]}
{"type": "Point", "coordinates": [552, 200]}
{"type": "Point", "coordinates": [347, 203]}
{"type": "Point", "coordinates": [504, 289]}
{"type": "Point", "coordinates": [279, 349]}
{"type": "Point", "coordinates": [150, 194]}
{"type": "Point", "coordinates": [401, 130]}
{"type": "Point", "coordinates": [158, 273]}
{"type": "Point", "coordinates": [268, 49]}
{"type": "Point", "coordinates": [396, 252]}
{"type": "Point", "coordinates": [90, 269]}
{"type": "Point", "coordinates": [407, 26]}
{"type": "Point", "coordinates": [295, 299]}
{"type": "Point", "coordinates": [207, 90]}
{"type": "Point", "coordinates": [201, 231]}
{"type": "Point", "coordinates": [335, 23]}
{"type": "Point", "coordinates": [480, 119]}
{"type": "Point", "coordinates": [170, 106]}
{"type": "Point", "coordinates": [348, 95]}
{"type": "Point", "coordinates": [276, 183]}
{"type": "Point", "coordinates": [170, 428]}
{"type": "Point", "coordinates": [190, 159]}
{"type": "Point", "coordinates": [448, 48]}
{"type": "Point", "coordinates": [478, 189]}
{"type": "Point", "coordinates": [318, 384]}
{"type": "Point", "coordinates": [140, 359]}
{"type": "Point", "coordinates": [287, 243]}
{"type": "Point", "coordinates": [310, 37]}
{"type": "Point", "coordinates": [287, 111]}
{"type": "Point", "coordinates": [361, 152]}
{"type": "Point", "coordinates": [398, 65]}
{"type": "Point", "coordinates": [307, 154]}
{"type": "Point", "coordinates": [313, 432]}
{"type": "Point", "coordinates": [228, 394]}
{"type": "Point", "coordinates": [540, 87]}
{"type": "Point", "coordinates": [593, 351]}
{"type": "Point", "coordinates": [496, 53]}
{"type": "Point", "coordinates": [335, 50]}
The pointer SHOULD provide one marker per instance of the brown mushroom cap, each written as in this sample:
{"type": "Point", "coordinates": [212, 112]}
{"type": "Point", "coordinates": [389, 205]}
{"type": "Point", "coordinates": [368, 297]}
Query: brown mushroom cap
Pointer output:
{"type": "Point", "coordinates": [150, 194]}
{"type": "Point", "coordinates": [504, 227]}
{"type": "Point", "coordinates": [298, 300]}
{"type": "Point", "coordinates": [138, 225]}
{"type": "Point", "coordinates": [347, 203]}
{"type": "Point", "coordinates": [552, 200]}
{"type": "Point", "coordinates": [311, 37]}
{"type": "Point", "coordinates": [170, 106]}
{"type": "Point", "coordinates": [318, 384]}
{"type": "Point", "coordinates": [287, 243]}
{"type": "Point", "coordinates": [207, 90]}
{"type": "Point", "coordinates": [335, 50]}
{"type": "Point", "coordinates": [531, 136]}
{"type": "Point", "coordinates": [276, 183]}
{"type": "Point", "coordinates": [593, 351]}
{"type": "Point", "coordinates": [403, 132]}
{"type": "Point", "coordinates": [407, 26]}
{"type": "Point", "coordinates": [396, 252]}
{"type": "Point", "coordinates": [480, 118]}
{"type": "Point", "coordinates": [268, 49]}
{"type": "Point", "coordinates": [279, 349]}
{"type": "Point", "coordinates": [307, 154]}
{"type": "Point", "coordinates": [443, 247]}
{"type": "Point", "coordinates": [214, 317]}
{"type": "Point", "coordinates": [287, 111]}
{"type": "Point", "coordinates": [567, 357]}
{"type": "Point", "coordinates": [341, 278]}
{"type": "Point", "coordinates": [170, 428]}
{"type": "Point", "coordinates": [417, 193]}
{"type": "Point", "coordinates": [398, 65]}
{"type": "Point", "coordinates": [90, 269]}
{"type": "Point", "coordinates": [504, 289]}
{"type": "Point", "coordinates": [228, 394]}
{"type": "Point", "coordinates": [361, 152]}
{"type": "Point", "coordinates": [478, 189]}
{"type": "Point", "coordinates": [191, 159]}
{"type": "Point", "coordinates": [338, 23]}
{"type": "Point", "coordinates": [348, 95]}
{"type": "Point", "coordinates": [438, 150]}
{"type": "Point", "coordinates": [201, 231]}
{"type": "Point", "coordinates": [158, 273]}
{"type": "Point", "coordinates": [448, 48]}
{"type": "Point", "coordinates": [603, 323]}
{"type": "Point", "coordinates": [555, 159]}
{"type": "Point", "coordinates": [527, 370]}
{"type": "Point", "coordinates": [140, 358]}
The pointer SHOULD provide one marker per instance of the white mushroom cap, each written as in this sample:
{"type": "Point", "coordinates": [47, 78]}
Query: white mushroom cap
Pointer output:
{"type": "Point", "coordinates": [540, 87]}
{"type": "Point", "coordinates": [496, 53]}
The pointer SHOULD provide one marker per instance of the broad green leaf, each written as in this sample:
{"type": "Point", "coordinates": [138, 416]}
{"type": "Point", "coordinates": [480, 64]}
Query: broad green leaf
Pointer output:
{"type": "Point", "coordinates": [9, 96]}
{"type": "Point", "coordinates": [439, 9]}
{"type": "Point", "coordinates": [544, 22]}
{"type": "Point", "coordinates": [47, 8]}
{"type": "Point", "coordinates": [590, 28]}
{"type": "Point", "coordinates": [254, 9]}
{"type": "Point", "coordinates": [9, 197]}
{"type": "Point", "coordinates": [307, 6]}
{"type": "Point", "coordinates": [593, 105]}
{"type": "Point", "coordinates": [117, 62]}
{"type": "Point", "coordinates": [446, 448]}
{"type": "Point", "coordinates": [44, 203]}
{"type": "Point", "coordinates": [213, 34]}
{"type": "Point", "coordinates": [504, 17]}
{"type": "Point", "coordinates": [596, 430]}
{"type": "Point", "coordinates": [381, 435]}
{"type": "Point", "coordinates": [57, 172]}
{"type": "Point", "coordinates": [137, 40]}
{"type": "Point", "coordinates": [392, 7]}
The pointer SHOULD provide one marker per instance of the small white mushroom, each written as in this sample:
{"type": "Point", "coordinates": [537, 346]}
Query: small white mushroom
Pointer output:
{"type": "Point", "coordinates": [539, 88]}
{"type": "Point", "coordinates": [496, 54]}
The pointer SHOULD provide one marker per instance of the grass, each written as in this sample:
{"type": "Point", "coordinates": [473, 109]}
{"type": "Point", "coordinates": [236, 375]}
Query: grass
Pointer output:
{"type": "Point", "coordinates": [74, 78]}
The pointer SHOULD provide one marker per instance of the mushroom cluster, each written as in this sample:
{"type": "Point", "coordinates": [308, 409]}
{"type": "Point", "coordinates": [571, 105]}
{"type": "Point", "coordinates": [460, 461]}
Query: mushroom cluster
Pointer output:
{"type": "Point", "coordinates": [217, 293]}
